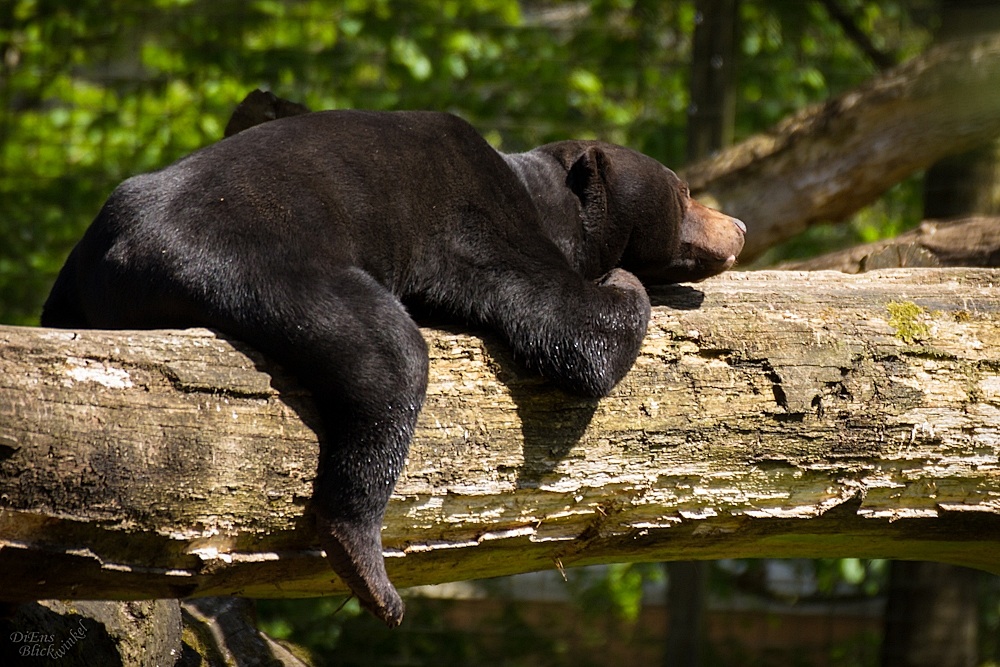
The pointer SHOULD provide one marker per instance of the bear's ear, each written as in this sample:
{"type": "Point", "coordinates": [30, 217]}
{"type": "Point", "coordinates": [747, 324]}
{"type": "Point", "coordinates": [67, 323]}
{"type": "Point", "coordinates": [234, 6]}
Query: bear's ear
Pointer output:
{"type": "Point", "coordinates": [588, 179]}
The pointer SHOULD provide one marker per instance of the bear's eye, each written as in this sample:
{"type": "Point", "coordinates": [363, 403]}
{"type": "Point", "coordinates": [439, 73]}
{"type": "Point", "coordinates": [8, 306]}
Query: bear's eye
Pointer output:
{"type": "Point", "coordinates": [685, 191]}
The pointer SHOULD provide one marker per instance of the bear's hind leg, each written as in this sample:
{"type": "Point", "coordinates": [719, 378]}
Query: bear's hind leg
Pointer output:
{"type": "Point", "coordinates": [353, 345]}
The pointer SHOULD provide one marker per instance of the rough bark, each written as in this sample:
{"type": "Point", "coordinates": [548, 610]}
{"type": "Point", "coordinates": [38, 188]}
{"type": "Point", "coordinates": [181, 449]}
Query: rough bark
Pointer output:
{"type": "Point", "coordinates": [828, 161]}
{"type": "Point", "coordinates": [94, 633]}
{"type": "Point", "coordinates": [769, 415]}
{"type": "Point", "coordinates": [968, 242]}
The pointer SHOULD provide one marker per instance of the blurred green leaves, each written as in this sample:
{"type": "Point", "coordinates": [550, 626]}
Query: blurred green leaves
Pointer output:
{"type": "Point", "coordinates": [92, 91]}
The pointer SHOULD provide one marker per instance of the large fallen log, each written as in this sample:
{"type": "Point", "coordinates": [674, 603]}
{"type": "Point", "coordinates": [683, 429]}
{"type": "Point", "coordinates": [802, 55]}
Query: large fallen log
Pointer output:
{"type": "Point", "coordinates": [772, 414]}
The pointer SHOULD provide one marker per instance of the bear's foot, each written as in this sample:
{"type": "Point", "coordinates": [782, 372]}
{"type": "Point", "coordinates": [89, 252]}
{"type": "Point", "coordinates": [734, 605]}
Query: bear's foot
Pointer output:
{"type": "Point", "coordinates": [355, 553]}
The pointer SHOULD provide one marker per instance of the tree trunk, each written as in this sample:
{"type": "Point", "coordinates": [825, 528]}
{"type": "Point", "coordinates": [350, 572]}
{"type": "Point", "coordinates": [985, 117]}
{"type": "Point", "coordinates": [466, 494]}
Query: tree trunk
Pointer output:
{"type": "Point", "coordinates": [931, 616]}
{"type": "Point", "coordinates": [769, 415]}
{"type": "Point", "coordinates": [712, 112]}
{"type": "Point", "coordinates": [711, 117]}
{"type": "Point", "coordinates": [829, 161]}
{"type": "Point", "coordinates": [687, 599]}
{"type": "Point", "coordinates": [968, 183]}
{"type": "Point", "coordinates": [964, 185]}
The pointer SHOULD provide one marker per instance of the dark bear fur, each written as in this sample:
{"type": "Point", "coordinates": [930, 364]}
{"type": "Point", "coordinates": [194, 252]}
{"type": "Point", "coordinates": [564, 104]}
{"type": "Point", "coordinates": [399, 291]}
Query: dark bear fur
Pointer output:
{"type": "Point", "coordinates": [305, 237]}
{"type": "Point", "coordinates": [259, 107]}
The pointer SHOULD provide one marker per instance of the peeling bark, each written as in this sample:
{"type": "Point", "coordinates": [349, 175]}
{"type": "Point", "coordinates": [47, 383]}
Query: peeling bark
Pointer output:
{"type": "Point", "coordinates": [771, 414]}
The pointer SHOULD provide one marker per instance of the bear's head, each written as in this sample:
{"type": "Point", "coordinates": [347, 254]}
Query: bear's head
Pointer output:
{"type": "Point", "coordinates": [639, 215]}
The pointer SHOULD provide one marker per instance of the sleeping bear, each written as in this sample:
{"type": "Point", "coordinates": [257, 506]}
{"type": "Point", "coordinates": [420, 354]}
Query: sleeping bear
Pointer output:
{"type": "Point", "coordinates": [309, 237]}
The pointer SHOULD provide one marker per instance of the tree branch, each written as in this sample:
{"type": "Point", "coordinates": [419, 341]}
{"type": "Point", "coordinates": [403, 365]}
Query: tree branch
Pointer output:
{"type": "Point", "coordinates": [965, 242]}
{"type": "Point", "coordinates": [769, 415]}
{"type": "Point", "coordinates": [854, 33]}
{"type": "Point", "coordinates": [828, 161]}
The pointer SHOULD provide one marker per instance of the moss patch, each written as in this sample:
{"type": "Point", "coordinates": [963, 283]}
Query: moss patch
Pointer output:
{"type": "Point", "coordinates": [906, 318]}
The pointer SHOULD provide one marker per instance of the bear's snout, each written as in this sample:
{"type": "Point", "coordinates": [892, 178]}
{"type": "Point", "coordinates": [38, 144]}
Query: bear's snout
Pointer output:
{"type": "Point", "coordinates": [715, 237]}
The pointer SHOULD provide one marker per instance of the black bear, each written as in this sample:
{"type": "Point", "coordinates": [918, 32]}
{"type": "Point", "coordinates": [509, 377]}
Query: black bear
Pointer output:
{"type": "Point", "coordinates": [308, 237]}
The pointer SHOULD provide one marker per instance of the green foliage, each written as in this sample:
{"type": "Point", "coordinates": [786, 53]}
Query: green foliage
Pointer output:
{"type": "Point", "coordinates": [794, 55]}
{"type": "Point", "coordinates": [92, 91]}
{"type": "Point", "coordinates": [529, 625]}
{"type": "Point", "coordinates": [432, 635]}
{"type": "Point", "coordinates": [868, 576]}
{"type": "Point", "coordinates": [616, 589]}
{"type": "Point", "coordinates": [315, 624]}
